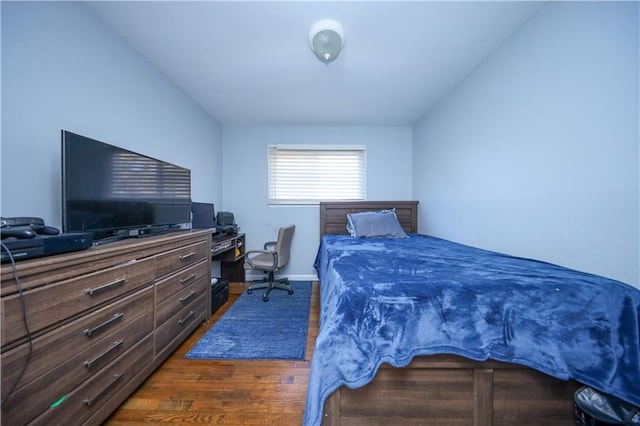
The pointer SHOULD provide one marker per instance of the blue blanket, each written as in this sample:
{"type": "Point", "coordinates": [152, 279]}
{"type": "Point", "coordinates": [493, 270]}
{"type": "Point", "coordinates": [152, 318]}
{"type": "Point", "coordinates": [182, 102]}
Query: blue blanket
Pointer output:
{"type": "Point", "coordinates": [388, 300]}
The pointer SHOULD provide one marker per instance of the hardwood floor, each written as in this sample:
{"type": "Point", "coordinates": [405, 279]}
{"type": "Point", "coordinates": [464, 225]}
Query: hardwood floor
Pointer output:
{"type": "Point", "coordinates": [185, 391]}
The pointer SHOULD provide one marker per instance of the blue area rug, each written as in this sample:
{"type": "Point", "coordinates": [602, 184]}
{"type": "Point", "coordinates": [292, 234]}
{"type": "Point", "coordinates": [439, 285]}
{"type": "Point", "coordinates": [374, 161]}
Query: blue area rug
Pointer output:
{"type": "Point", "coordinates": [253, 329]}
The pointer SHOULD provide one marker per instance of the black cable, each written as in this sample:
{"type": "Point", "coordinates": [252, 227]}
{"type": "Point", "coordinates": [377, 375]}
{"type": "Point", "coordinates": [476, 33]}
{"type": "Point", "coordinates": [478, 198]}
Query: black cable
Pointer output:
{"type": "Point", "coordinates": [24, 319]}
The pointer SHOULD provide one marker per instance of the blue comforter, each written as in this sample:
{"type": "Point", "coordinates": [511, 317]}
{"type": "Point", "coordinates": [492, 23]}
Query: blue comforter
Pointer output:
{"type": "Point", "coordinates": [388, 300]}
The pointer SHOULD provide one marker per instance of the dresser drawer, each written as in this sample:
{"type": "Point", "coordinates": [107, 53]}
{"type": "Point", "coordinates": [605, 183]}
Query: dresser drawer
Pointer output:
{"type": "Point", "coordinates": [35, 397]}
{"type": "Point", "coordinates": [175, 284]}
{"type": "Point", "coordinates": [57, 302]}
{"type": "Point", "coordinates": [81, 402]}
{"type": "Point", "coordinates": [179, 258]}
{"type": "Point", "coordinates": [182, 323]}
{"type": "Point", "coordinates": [180, 299]}
{"type": "Point", "coordinates": [52, 349]}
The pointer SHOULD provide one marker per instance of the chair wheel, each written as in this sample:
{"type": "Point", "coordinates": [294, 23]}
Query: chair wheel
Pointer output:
{"type": "Point", "coordinates": [265, 298]}
{"type": "Point", "coordinates": [290, 291]}
{"type": "Point", "coordinates": [249, 291]}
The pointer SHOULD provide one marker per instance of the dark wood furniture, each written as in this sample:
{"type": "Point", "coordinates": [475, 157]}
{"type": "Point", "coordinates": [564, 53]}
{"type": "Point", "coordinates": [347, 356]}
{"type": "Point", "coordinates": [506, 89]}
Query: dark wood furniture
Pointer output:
{"type": "Point", "coordinates": [333, 216]}
{"type": "Point", "coordinates": [100, 321]}
{"type": "Point", "coordinates": [444, 389]}
{"type": "Point", "coordinates": [229, 250]}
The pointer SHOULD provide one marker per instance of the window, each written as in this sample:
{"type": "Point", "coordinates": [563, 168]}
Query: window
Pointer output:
{"type": "Point", "coordinates": [307, 174]}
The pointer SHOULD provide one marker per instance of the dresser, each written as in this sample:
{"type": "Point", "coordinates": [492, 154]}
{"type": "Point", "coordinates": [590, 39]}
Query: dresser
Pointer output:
{"type": "Point", "coordinates": [100, 321]}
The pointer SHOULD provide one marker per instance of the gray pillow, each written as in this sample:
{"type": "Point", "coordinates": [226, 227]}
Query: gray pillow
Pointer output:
{"type": "Point", "coordinates": [382, 223]}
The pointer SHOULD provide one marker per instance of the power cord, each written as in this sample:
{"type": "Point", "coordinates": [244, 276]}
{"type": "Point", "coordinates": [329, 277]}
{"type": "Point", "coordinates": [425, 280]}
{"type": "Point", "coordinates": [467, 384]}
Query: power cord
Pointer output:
{"type": "Point", "coordinates": [24, 319]}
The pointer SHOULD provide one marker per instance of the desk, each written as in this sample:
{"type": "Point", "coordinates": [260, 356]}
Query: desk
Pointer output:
{"type": "Point", "coordinates": [229, 251]}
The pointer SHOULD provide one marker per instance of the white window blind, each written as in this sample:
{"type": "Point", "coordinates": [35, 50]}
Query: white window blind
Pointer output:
{"type": "Point", "coordinates": [307, 174]}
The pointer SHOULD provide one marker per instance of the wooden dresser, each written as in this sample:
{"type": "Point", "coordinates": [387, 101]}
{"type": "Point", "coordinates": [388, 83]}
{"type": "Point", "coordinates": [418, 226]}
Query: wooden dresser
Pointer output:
{"type": "Point", "coordinates": [100, 321]}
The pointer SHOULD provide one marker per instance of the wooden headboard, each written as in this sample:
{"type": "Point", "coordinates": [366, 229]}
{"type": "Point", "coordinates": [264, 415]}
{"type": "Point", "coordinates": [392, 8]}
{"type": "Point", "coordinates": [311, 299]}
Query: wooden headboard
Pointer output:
{"type": "Point", "coordinates": [333, 214]}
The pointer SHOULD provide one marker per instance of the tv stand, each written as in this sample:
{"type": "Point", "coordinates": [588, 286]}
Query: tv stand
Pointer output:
{"type": "Point", "coordinates": [119, 236]}
{"type": "Point", "coordinates": [148, 231]}
{"type": "Point", "coordinates": [100, 321]}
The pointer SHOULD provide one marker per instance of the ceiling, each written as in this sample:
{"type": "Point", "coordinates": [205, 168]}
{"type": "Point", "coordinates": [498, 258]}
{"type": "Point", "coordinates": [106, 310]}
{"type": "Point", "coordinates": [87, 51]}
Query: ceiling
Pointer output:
{"type": "Point", "coordinates": [249, 63]}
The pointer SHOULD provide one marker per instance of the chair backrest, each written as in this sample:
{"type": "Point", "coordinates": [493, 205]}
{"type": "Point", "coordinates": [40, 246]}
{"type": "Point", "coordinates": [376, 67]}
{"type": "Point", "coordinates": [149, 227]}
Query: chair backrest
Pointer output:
{"type": "Point", "coordinates": [283, 245]}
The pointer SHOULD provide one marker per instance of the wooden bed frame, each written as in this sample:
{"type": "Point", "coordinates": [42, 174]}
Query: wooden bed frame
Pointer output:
{"type": "Point", "coordinates": [443, 390]}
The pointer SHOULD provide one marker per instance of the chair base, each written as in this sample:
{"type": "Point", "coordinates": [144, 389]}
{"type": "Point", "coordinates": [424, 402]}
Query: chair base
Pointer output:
{"type": "Point", "coordinates": [270, 283]}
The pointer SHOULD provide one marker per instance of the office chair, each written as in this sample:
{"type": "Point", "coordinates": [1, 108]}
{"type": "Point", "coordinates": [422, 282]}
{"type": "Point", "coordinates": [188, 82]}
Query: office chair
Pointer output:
{"type": "Point", "coordinates": [274, 257]}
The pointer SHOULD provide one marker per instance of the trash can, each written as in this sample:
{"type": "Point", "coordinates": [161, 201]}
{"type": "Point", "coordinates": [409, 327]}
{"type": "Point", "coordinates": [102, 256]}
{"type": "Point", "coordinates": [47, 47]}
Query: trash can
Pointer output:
{"type": "Point", "coordinates": [593, 408]}
{"type": "Point", "coordinates": [219, 293]}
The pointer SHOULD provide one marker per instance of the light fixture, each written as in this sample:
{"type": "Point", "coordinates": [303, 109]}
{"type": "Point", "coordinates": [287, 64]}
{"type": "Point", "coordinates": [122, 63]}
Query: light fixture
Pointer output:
{"type": "Point", "coordinates": [326, 39]}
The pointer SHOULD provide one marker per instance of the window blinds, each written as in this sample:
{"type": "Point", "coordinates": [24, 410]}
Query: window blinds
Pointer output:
{"type": "Point", "coordinates": [307, 174]}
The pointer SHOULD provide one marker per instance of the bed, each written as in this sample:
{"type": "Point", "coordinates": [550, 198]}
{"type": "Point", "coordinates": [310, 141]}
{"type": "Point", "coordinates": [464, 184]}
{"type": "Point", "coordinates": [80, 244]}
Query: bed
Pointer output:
{"type": "Point", "coordinates": [422, 331]}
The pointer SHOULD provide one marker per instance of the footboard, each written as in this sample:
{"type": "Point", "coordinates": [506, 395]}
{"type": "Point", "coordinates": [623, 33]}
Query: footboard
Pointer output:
{"type": "Point", "coordinates": [450, 390]}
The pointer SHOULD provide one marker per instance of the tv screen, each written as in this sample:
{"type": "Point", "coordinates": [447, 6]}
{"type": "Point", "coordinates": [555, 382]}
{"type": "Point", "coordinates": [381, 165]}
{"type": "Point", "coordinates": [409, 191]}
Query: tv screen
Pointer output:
{"type": "Point", "coordinates": [115, 193]}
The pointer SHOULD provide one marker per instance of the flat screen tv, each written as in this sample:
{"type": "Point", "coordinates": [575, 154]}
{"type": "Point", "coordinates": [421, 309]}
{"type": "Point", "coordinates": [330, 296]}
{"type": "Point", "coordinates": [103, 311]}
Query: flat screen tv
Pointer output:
{"type": "Point", "coordinates": [115, 193]}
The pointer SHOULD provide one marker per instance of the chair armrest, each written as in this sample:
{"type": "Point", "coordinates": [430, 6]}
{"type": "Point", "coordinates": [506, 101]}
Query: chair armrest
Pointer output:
{"type": "Point", "coordinates": [270, 245]}
{"type": "Point", "coordinates": [248, 257]}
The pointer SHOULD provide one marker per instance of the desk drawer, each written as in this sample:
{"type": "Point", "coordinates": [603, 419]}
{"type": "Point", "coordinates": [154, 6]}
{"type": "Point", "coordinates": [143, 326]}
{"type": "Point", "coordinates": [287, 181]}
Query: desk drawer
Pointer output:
{"type": "Point", "coordinates": [176, 284]}
{"type": "Point", "coordinates": [174, 260]}
{"type": "Point", "coordinates": [82, 402]}
{"type": "Point", "coordinates": [57, 302]}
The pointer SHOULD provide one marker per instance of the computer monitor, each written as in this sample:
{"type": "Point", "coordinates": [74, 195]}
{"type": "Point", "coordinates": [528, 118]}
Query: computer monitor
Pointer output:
{"type": "Point", "coordinates": [203, 216]}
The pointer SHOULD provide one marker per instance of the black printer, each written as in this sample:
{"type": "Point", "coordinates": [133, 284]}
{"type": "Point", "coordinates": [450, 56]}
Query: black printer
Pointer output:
{"type": "Point", "coordinates": [225, 223]}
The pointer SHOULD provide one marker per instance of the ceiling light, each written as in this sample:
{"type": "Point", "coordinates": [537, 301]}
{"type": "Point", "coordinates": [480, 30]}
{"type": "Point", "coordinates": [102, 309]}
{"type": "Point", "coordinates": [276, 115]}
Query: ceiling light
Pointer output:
{"type": "Point", "coordinates": [326, 39]}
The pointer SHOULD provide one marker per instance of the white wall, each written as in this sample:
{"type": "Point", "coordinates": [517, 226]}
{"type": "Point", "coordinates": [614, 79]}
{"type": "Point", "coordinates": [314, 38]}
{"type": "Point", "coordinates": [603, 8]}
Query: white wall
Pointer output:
{"type": "Point", "coordinates": [64, 69]}
{"type": "Point", "coordinates": [245, 181]}
{"type": "Point", "coordinates": [536, 154]}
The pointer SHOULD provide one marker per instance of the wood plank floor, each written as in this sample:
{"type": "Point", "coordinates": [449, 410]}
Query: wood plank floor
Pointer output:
{"type": "Point", "coordinates": [185, 391]}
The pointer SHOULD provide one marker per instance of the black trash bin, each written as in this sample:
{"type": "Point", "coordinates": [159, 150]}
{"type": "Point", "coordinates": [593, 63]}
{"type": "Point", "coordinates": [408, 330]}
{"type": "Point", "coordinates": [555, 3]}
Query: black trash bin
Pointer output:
{"type": "Point", "coordinates": [593, 408]}
{"type": "Point", "coordinates": [219, 293]}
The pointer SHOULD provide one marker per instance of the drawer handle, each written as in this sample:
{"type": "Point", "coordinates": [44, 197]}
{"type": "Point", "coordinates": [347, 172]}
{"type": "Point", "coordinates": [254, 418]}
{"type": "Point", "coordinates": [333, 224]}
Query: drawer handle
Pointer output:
{"type": "Point", "coordinates": [97, 328]}
{"type": "Point", "coordinates": [187, 279]}
{"type": "Point", "coordinates": [115, 345]}
{"type": "Point", "coordinates": [188, 297]}
{"type": "Point", "coordinates": [187, 318]}
{"type": "Point", "coordinates": [187, 256]}
{"type": "Point", "coordinates": [90, 401]}
{"type": "Point", "coordinates": [92, 291]}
